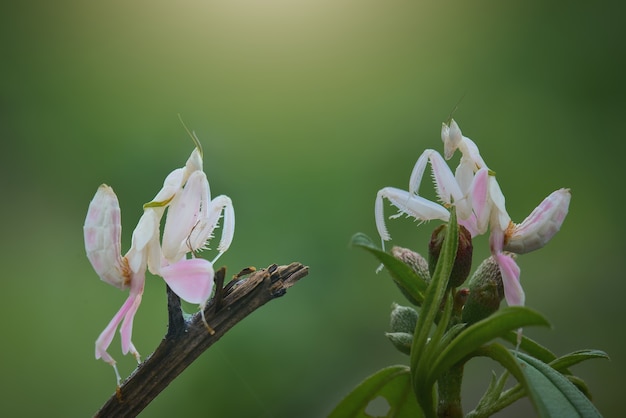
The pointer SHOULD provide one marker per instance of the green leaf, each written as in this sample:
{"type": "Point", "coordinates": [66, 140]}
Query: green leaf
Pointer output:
{"type": "Point", "coordinates": [481, 332]}
{"type": "Point", "coordinates": [412, 285]}
{"type": "Point", "coordinates": [392, 384]}
{"type": "Point", "coordinates": [494, 399]}
{"type": "Point", "coordinates": [435, 345]}
{"type": "Point", "coordinates": [563, 363]}
{"type": "Point", "coordinates": [552, 394]}
{"type": "Point", "coordinates": [435, 292]}
{"type": "Point", "coordinates": [531, 347]}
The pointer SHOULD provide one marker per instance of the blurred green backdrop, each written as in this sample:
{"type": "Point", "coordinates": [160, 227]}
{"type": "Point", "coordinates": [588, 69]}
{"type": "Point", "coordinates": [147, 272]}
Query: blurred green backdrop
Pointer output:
{"type": "Point", "coordinates": [305, 109]}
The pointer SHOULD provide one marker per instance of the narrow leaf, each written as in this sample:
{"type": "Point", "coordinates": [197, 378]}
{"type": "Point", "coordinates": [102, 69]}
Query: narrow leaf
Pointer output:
{"type": "Point", "coordinates": [498, 400]}
{"type": "Point", "coordinates": [531, 347]}
{"type": "Point", "coordinates": [412, 285]}
{"type": "Point", "coordinates": [568, 360]}
{"type": "Point", "coordinates": [391, 385]}
{"type": "Point", "coordinates": [552, 394]}
{"type": "Point", "coordinates": [563, 363]}
{"type": "Point", "coordinates": [432, 302]}
{"type": "Point", "coordinates": [481, 332]}
{"type": "Point", "coordinates": [502, 355]}
{"type": "Point", "coordinates": [434, 345]}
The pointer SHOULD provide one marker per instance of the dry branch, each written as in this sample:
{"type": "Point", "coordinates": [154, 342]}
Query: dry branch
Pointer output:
{"type": "Point", "coordinates": [186, 340]}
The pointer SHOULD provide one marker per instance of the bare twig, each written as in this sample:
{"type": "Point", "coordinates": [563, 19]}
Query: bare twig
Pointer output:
{"type": "Point", "coordinates": [186, 340]}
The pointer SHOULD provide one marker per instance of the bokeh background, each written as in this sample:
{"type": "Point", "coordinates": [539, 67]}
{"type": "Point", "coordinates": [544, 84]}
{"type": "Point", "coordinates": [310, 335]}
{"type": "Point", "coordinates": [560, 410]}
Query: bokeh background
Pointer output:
{"type": "Point", "coordinates": [305, 110]}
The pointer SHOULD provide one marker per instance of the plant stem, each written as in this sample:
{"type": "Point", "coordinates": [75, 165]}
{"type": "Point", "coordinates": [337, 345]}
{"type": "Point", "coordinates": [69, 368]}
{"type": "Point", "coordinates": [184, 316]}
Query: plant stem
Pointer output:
{"type": "Point", "coordinates": [449, 388]}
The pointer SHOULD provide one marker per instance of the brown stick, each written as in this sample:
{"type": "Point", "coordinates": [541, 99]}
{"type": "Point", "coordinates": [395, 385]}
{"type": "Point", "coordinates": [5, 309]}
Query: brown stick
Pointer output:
{"type": "Point", "coordinates": [186, 340]}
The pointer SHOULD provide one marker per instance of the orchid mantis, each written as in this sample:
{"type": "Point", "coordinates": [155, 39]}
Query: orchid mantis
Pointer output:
{"type": "Point", "coordinates": [480, 204]}
{"type": "Point", "coordinates": [191, 219]}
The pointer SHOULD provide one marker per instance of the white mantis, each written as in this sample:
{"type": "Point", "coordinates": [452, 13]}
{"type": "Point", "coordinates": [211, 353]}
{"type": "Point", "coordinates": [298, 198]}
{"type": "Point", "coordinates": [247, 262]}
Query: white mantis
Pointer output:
{"type": "Point", "coordinates": [480, 204]}
{"type": "Point", "coordinates": [191, 219]}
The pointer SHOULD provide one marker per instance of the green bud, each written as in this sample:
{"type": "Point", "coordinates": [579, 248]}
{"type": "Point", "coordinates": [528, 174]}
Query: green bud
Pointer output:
{"type": "Point", "coordinates": [403, 319]}
{"type": "Point", "coordinates": [460, 299]}
{"type": "Point", "coordinates": [486, 292]}
{"type": "Point", "coordinates": [463, 261]}
{"type": "Point", "coordinates": [401, 340]}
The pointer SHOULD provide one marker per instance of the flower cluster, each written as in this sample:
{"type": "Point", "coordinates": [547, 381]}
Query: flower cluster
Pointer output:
{"type": "Point", "coordinates": [475, 193]}
{"type": "Point", "coordinates": [191, 219]}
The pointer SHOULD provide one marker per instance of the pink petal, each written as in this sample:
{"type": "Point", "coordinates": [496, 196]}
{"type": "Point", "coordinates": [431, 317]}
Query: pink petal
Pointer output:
{"type": "Point", "coordinates": [191, 279]}
{"type": "Point", "coordinates": [513, 292]}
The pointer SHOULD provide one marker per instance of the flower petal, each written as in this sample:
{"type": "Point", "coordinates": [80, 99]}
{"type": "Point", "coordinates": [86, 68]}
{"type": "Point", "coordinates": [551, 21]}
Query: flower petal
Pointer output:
{"type": "Point", "coordinates": [191, 279]}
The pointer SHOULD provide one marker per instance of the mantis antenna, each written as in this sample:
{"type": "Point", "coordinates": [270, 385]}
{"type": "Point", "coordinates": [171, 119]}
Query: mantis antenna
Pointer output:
{"type": "Point", "coordinates": [456, 106]}
{"type": "Point", "coordinates": [193, 136]}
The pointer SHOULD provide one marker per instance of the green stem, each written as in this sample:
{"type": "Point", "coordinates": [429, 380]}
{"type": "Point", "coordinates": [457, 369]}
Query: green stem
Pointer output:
{"type": "Point", "coordinates": [449, 388]}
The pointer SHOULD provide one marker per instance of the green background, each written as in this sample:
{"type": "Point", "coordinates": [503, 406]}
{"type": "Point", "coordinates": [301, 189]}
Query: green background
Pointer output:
{"type": "Point", "coordinates": [305, 110]}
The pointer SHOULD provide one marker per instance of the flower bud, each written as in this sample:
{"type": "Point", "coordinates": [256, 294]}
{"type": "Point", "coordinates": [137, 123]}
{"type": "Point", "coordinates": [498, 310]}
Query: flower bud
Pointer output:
{"type": "Point", "coordinates": [403, 319]}
{"type": "Point", "coordinates": [403, 323]}
{"type": "Point", "coordinates": [486, 292]}
{"type": "Point", "coordinates": [413, 260]}
{"type": "Point", "coordinates": [401, 340]}
{"type": "Point", "coordinates": [463, 261]}
{"type": "Point", "coordinates": [417, 263]}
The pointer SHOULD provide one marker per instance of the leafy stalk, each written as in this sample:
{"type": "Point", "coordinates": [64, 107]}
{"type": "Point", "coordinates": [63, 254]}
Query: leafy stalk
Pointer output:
{"type": "Point", "coordinates": [430, 308]}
